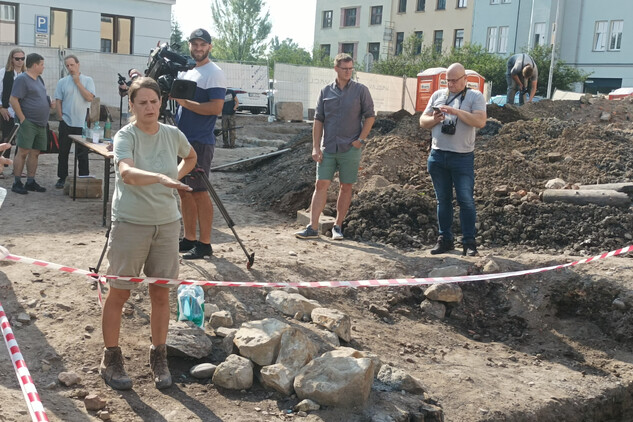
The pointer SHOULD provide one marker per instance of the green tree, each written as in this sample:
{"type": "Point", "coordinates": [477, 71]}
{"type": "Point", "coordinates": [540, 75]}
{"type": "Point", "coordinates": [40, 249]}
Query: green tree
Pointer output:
{"type": "Point", "coordinates": [320, 58]}
{"type": "Point", "coordinates": [288, 52]}
{"type": "Point", "coordinates": [241, 28]}
{"type": "Point", "coordinates": [177, 40]}
{"type": "Point", "coordinates": [475, 57]}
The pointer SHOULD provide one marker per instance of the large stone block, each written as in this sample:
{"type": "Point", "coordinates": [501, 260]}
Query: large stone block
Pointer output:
{"type": "Point", "coordinates": [325, 222]}
{"type": "Point", "coordinates": [289, 110]}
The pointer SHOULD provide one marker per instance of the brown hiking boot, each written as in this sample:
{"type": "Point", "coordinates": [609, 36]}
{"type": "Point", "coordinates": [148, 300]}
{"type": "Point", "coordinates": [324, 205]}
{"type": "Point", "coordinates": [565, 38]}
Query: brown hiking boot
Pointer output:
{"type": "Point", "coordinates": [158, 363]}
{"type": "Point", "coordinates": [112, 371]}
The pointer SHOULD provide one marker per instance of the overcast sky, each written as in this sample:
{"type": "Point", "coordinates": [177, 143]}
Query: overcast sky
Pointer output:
{"type": "Point", "coordinates": [290, 18]}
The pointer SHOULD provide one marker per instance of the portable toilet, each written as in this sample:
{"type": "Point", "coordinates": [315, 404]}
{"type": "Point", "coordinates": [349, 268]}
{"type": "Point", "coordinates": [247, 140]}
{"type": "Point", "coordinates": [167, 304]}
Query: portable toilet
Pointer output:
{"type": "Point", "coordinates": [429, 81]}
{"type": "Point", "coordinates": [432, 79]}
{"type": "Point", "coordinates": [620, 93]}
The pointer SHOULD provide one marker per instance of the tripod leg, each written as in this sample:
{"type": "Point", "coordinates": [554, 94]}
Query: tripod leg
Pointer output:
{"type": "Point", "coordinates": [227, 218]}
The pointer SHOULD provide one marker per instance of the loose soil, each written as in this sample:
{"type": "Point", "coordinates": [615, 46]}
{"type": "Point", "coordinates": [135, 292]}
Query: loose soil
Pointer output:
{"type": "Point", "coordinates": [544, 347]}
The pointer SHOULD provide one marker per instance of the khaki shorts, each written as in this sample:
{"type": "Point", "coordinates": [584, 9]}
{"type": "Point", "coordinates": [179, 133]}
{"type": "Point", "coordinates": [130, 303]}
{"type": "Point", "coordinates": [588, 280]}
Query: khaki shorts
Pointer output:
{"type": "Point", "coordinates": [136, 247]}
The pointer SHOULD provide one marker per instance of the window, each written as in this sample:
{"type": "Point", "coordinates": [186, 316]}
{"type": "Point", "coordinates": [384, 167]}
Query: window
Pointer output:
{"type": "Point", "coordinates": [494, 1]}
{"type": "Point", "coordinates": [539, 34]}
{"type": "Point", "coordinates": [374, 49]}
{"type": "Point", "coordinates": [8, 27]}
{"type": "Point", "coordinates": [60, 28]}
{"type": "Point", "coordinates": [376, 15]}
{"type": "Point", "coordinates": [438, 37]}
{"type": "Point", "coordinates": [441, 4]}
{"type": "Point", "coordinates": [615, 35]}
{"type": "Point", "coordinates": [419, 7]}
{"type": "Point", "coordinates": [600, 36]}
{"type": "Point", "coordinates": [459, 38]}
{"type": "Point", "coordinates": [506, 1]}
{"type": "Point", "coordinates": [348, 48]}
{"type": "Point", "coordinates": [418, 42]}
{"type": "Point", "coordinates": [402, 6]}
{"type": "Point", "coordinates": [349, 17]}
{"type": "Point", "coordinates": [325, 50]}
{"type": "Point", "coordinates": [504, 31]}
{"type": "Point", "coordinates": [399, 42]}
{"type": "Point", "coordinates": [116, 34]}
{"type": "Point", "coordinates": [327, 19]}
{"type": "Point", "coordinates": [491, 39]}
{"type": "Point", "coordinates": [461, 4]}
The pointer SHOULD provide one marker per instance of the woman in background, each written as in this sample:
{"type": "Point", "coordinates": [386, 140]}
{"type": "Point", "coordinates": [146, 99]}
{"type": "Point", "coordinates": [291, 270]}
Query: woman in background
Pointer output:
{"type": "Point", "coordinates": [16, 64]}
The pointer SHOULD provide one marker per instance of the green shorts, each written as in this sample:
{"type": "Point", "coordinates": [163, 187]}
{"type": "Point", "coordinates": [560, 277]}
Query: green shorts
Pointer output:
{"type": "Point", "coordinates": [136, 247]}
{"type": "Point", "coordinates": [31, 136]}
{"type": "Point", "coordinates": [345, 162]}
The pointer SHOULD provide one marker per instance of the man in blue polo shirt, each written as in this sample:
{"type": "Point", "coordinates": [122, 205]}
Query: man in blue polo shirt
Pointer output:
{"type": "Point", "coordinates": [338, 136]}
{"type": "Point", "coordinates": [73, 95]}
{"type": "Point", "coordinates": [196, 118]}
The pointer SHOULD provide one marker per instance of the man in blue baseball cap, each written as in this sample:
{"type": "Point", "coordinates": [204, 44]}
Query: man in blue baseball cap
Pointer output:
{"type": "Point", "coordinates": [196, 118]}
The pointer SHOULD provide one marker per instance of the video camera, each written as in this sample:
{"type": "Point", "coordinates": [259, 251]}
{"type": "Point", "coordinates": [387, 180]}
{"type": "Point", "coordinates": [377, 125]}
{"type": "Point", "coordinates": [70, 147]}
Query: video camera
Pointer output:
{"type": "Point", "coordinates": [163, 66]}
{"type": "Point", "coordinates": [121, 80]}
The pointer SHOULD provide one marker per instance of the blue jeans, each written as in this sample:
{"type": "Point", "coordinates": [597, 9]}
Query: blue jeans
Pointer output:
{"type": "Point", "coordinates": [448, 169]}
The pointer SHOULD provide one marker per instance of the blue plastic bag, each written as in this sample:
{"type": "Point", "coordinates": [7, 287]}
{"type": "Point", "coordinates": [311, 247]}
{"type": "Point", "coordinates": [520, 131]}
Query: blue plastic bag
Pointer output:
{"type": "Point", "coordinates": [191, 304]}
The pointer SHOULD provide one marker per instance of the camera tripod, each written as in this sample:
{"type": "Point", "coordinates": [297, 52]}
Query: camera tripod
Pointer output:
{"type": "Point", "coordinates": [198, 172]}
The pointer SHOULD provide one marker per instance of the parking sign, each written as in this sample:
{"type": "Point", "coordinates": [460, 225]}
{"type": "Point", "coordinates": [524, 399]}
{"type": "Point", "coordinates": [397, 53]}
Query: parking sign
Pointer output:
{"type": "Point", "coordinates": [41, 24]}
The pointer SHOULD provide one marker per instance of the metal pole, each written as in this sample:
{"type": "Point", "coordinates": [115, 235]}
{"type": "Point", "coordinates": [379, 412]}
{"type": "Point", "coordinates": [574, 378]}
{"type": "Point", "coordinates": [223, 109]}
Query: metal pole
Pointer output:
{"type": "Point", "coordinates": [404, 90]}
{"type": "Point", "coordinates": [551, 63]}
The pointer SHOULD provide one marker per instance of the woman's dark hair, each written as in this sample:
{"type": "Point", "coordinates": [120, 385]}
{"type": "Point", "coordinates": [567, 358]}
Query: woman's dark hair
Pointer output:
{"type": "Point", "coordinates": [138, 83]}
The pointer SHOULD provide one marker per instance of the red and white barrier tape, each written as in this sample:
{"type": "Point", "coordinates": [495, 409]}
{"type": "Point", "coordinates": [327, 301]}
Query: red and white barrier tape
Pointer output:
{"type": "Point", "coordinates": [4, 254]}
{"type": "Point", "coordinates": [24, 377]}
{"type": "Point", "coordinates": [30, 393]}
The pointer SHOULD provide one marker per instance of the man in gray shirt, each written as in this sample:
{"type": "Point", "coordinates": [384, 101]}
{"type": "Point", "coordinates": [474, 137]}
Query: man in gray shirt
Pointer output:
{"type": "Point", "coordinates": [338, 136]}
{"type": "Point", "coordinates": [522, 75]}
{"type": "Point", "coordinates": [32, 108]}
{"type": "Point", "coordinates": [453, 115]}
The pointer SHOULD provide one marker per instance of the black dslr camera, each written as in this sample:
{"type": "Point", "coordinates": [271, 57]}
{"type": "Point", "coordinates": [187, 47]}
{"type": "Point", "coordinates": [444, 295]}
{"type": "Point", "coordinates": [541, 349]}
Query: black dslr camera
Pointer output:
{"type": "Point", "coordinates": [163, 66]}
{"type": "Point", "coordinates": [448, 127]}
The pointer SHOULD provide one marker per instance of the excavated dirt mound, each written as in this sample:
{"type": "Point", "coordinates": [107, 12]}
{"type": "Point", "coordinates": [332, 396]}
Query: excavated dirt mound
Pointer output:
{"type": "Point", "coordinates": [593, 143]}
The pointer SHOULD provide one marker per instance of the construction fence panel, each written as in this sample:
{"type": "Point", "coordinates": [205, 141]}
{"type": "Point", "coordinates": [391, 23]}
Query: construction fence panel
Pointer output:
{"type": "Point", "coordinates": [303, 84]}
{"type": "Point", "coordinates": [245, 76]}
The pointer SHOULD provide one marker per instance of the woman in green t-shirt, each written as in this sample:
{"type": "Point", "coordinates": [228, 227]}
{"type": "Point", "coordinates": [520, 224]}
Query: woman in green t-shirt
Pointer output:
{"type": "Point", "coordinates": [145, 226]}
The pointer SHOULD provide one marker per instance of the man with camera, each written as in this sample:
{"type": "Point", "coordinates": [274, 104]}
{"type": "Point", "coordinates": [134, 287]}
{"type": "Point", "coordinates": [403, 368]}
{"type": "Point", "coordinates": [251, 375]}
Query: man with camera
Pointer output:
{"type": "Point", "coordinates": [453, 115]}
{"type": "Point", "coordinates": [73, 95]}
{"type": "Point", "coordinates": [522, 75]}
{"type": "Point", "coordinates": [196, 118]}
{"type": "Point", "coordinates": [124, 85]}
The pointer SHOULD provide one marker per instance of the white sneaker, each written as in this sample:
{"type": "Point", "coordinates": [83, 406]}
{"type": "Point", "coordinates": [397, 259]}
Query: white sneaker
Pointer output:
{"type": "Point", "coordinates": [337, 233]}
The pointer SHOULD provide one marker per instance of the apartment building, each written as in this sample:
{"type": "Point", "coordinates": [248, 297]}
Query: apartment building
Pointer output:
{"type": "Point", "coordinates": [589, 35]}
{"type": "Point", "coordinates": [442, 24]}
{"type": "Point", "coordinates": [114, 26]}
{"type": "Point", "coordinates": [380, 28]}
{"type": "Point", "coordinates": [360, 29]}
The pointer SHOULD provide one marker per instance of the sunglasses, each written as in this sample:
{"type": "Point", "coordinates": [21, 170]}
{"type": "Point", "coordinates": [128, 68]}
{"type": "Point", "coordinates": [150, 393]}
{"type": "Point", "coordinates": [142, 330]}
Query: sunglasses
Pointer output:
{"type": "Point", "coordinates": [18, 58]}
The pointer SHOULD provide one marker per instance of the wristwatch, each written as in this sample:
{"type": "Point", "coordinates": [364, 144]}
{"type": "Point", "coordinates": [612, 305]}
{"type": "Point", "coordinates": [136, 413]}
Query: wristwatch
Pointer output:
{"type": "Point", "coordinates": [362, 141]}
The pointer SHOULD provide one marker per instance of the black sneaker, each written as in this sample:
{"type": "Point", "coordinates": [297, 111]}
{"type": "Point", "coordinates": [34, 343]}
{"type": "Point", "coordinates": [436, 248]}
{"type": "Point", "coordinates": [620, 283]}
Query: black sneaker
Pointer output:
{"type": "Point", "coordinates": [18, 187]}
{"type": "Point", "coordinates": [60, 183]}
{"type": "Point", "coordinates": [185, 245]}
{"type": "Point", "coordinates": [34, 187]}
{"type": "Point", "coordinates": [200, 251]}
{"type": "Point", "coordinates": [470, 249]}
